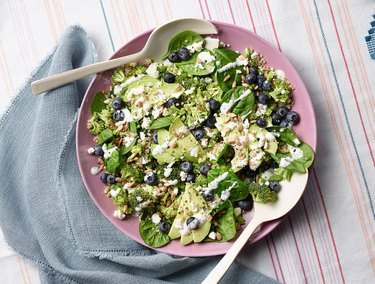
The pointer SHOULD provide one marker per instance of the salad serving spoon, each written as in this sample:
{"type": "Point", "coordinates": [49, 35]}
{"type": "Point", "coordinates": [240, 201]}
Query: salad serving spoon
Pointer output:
{"type": "Point", "coordinates": [155, 47]}
{"type": "Point", "coordinates": [288, 196]}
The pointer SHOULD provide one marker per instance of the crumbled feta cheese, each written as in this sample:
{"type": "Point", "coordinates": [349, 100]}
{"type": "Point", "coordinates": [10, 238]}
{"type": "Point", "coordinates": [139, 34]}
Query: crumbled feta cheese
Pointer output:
{"type": "Point", "coordinates": [119, 214]}
{"type": "Point", "coordinates": [128, 141]}
{"type": "Point", "coordinates": [204, 142]}
{"type": "Point", "coordinates": [91, 150]}
{"type": "Point", "coordinates": [254, 55]}
{"type": "Point", "coordinates": [207, 80]}
{"type": "Point", "coordinates": [296, 153]}
{"type": "Point", "coordinates": [145, 160]}
{"type": "Point", "coordinates": [201, 217]}
{"type": "Point", "coordinates": [261, 110]}
{"type": "Point", "coordinates": [167, 172]}
{"type": "Point", "coordinates": [284, 162]}
{"type": "Point", "coordinates": [95, 171]}
{"type": "Point", "coordinates": [296, 141]}
{"type": "Point", "coordinates": [226, 67]}
{"type": "Point", "coordinates": [205, 57]}
{"type": "Point", "coordinates": [280, 74]}
{"type": "Point", "coordinates": [146, 123]}
{"type": "Point", "coordinates": [155, 218]}
{"type": "Point", "coordinates": [195, 47]}
{"type": "Point", "coordinates": [211, 156]}
{"type": "Point", "coordinates": [190, 91]}
{"type": "Point", "coordinates": [166, 62]}
{"type": "Point", "coordinates": [152, 70]}
{"type": "Point", "coordinates": [137, 90]}
{"type": "Point", "coordinates": [171, 182]}
{"type": "Point", "coordinates": [241, 61]}
{"type": "Point", "coordinates": [156, 112]}
{"type": "Point", "coordinates": [212, 235]}
{"type": "Point", "coordinates": [117, 89]}
{"type": "Point", "coordinates": [211, 43]}
{"type": "Point", "coordinates": [193, 207]}
{"type": "Point", "coordinates": [159, 149]}
{"type": "Point", "coordinates": [183, 176]}
{"type": "Point", "coordinates": [268, 173]}
{"type": "Point", "coordinates": [142, 136]}
{"type": "Point", "coordinates": [175, 191]}
{"type": "Point", "coordinates": [115, 192]}
{"type": "Point", "coordinates": [194, 152]}
{"type": "Point", "coordinates": [108, 152]}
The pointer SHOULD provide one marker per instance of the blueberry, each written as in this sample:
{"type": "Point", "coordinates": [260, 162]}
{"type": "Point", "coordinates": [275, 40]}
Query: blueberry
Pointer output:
{"type": "Point", "coordinates": [208, 195]}
{"type": "Point", "coordinates": [263, 99]}
{"type": "Point", "coordinates": [293, 117]}
{"type": "Point", "coordinates": [274, 185]}
{"type": "Point", "coordinates": [251, 78]}
{"type": "Point", "coordinates": [210, 122]}
{"type": "Point", "coordinates": [186, 167]}
{"type": "Point", "coordinates": [164, 227]}
{"type": "Point", "coordinates": [246, 204]}
{"type": "Point", "coordinates": [198, 133]}
{"type": "Point", "coordinates": [286, 123]}
{"type": "Point", "coordinates": [98, 150]}
{"type": "Point", "coordinates": [190, 177]}
{"type": "Point", "coordinates": [183, 53]}
{"type": "Point", "coordinates": [169, 77]}
{"type": "Point", "coordinates": [260, 80]}
{"type": "Point", "coordinates": [204, 169]}
{"type": "Point", "coordinates": [173, 57]}
{"type": "Point", "coordinates": [192, 223]}
{"type": "Point", "coordinates": [282, 111]}
{"type": "Point", "coordinates": [118, 103]}
{"type": "Point", "coordinates": [150, 178]}
{"type": "Point", "coordinates": [173, 101]}
{"type": "Point", "coordinates": [273, 164]}
{"type": "Point", "coordinates": [249, 172]}
{"type": "Point", "coordinates": [266, 86]}
{"type": "Point", "coordinates": [261, 122]}
{"type": "Point", "coordinates": [118, 115]}
{"type": "Point", "coordinates": [253, 70]}
{"type": "Point", "coordinates": [155, 137]}
{"type": "Point", "coordinates": [103, 178]}
{"type": "Point", "coordinates": [214, 105]}
{"type": "Point", "coordinates": [111, 179]}
{"type": "Point", "coordinates": [276, 119]}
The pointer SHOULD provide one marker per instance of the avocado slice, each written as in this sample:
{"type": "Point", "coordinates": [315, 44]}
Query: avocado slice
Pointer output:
{"type": "Point", "coordinates": [190, 196]}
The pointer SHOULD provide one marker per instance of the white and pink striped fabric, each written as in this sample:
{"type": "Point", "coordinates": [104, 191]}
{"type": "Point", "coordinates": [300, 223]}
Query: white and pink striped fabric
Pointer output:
{"type": "Point", "coordinates": [330, 236]}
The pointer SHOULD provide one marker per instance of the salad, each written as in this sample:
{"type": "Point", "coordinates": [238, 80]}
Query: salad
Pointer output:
{"type": "Point", "coordinates": [190, 142]}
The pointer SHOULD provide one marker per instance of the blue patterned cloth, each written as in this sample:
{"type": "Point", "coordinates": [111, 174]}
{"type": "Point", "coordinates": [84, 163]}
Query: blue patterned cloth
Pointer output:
{"type": "Point", "coordinates": [370, 39]}
{"type": "Point", "coordinates": [45, 212]}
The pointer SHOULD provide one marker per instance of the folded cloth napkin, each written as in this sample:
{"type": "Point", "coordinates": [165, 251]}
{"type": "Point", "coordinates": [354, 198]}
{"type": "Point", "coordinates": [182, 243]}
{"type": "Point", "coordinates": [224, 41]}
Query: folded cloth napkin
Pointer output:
{"type": "Point", "coordinates": [45, 212]}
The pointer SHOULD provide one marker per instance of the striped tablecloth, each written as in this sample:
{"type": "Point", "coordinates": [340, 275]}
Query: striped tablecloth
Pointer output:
{"type": "Point", "coordinates": [329, 237]}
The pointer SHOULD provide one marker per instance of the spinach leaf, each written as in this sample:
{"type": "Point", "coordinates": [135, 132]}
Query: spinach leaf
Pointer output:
{"type": "Point", "coordinates": [286, 135]}
{"type": "Point", "coordinates": [239, 192]}
{"type": "Point", "coordinates": [113, 162]}
{"type": "Point", "coordinates": [225, 56]}
{"type": "Point", "coordinates": [182, 39]}
{"type": "Point", "coordinates": [151, 235]}
{"type": "Point", "coordinates": [227, 222]}
{"type": "Point", "coordinates": [300, 165]}
{"type": "Point", "coordinates": [161, 122]}
{"type": "Point", "coordinates": [98, 103]}
{"type": "Point", "coordinates": [242, 107]}
{"type": "Point", "coordinates": [105, 136]}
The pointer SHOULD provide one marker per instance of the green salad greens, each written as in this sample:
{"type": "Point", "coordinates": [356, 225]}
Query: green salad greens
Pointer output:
{"type": "Point", "coordinates": [190, 142]}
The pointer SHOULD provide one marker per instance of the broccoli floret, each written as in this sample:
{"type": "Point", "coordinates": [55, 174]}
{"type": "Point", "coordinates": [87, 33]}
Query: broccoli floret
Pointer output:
{"type": "Point", "coordinates": [282, 92]}
{"type": "Point", "coordinates": [118, 76]}
{"type": "Point", "coordinates": [122, 198]}
{"type": "Point", "coordinates": [261, 193]}
{"type": "Point", "coordinates": [131, 172]}
{"type": "Point", "coordinates": [170, 212]}
{"type": "Point", "coordinates": [138, 198]}
{"type": "Point", "coordinates": [136, 70]}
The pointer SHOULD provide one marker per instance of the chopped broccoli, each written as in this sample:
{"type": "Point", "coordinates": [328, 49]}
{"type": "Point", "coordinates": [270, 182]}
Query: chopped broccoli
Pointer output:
{"type": "Point", "coordinates": [261, 193]}
{"type": "Point", "coordinates": [136, 70]}
{"type": "Point", "coordinates": [130, 172]}
{"type": "Point", "coordinates": [138, 198]}
{"type": "Point", "coordinates": [170, 212]}
{"type": "Point", "coordinates": [118, 76]}
{"type": "Point", "coordinates": [122, 198]}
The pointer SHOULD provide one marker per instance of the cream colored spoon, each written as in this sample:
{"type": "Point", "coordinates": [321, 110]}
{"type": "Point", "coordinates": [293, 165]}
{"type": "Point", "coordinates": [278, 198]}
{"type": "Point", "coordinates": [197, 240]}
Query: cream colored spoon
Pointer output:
{"type": "Point", "coordinates": [288, 196]}
{"type": "Point", "coordinates": [155, 47]}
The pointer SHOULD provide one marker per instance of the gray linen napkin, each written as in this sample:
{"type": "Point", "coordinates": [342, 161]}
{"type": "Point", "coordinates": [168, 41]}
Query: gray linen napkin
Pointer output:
{"type": "Point", "coordinates": [45, 212]}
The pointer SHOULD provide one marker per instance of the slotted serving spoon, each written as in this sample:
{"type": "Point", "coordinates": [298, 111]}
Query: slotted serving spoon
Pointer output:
{"type": "Point", "coordinates": [288, 196]}
{"type": "Point", "coordinates": [155, 47]}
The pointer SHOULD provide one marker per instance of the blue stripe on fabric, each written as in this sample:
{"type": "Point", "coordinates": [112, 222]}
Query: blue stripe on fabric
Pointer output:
{"type": "Point", "coordinates": [107, 25]}
{"type": "Point", "coordinates": [344, 110]}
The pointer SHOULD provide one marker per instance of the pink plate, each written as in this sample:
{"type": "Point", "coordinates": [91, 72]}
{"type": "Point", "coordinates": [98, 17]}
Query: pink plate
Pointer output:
{"type": "Point", "coordinates": [239, 39]}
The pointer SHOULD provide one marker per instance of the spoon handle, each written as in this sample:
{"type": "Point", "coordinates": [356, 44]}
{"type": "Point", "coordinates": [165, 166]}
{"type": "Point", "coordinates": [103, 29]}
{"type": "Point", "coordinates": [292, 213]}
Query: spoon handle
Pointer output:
{"type": "Point", "coordinates": [217, 273]}
{"type": "Point", "coordinates": [64, 78]}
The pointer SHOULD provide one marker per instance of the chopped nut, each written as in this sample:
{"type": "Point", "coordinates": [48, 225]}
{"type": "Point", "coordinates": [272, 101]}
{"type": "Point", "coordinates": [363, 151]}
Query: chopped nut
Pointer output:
{"type": "Point", "coordinates": [226, 78]}
{"type": "Point", "coordinates": [106, 189]}
{"type": "Point", "coordinates": [125, 208]}
{"type": "Point", "coordinates": [247, 70]}
{"type": "Point", "coordinates": [168, 203]}
{"type": "Point", "coordinates": [178, 88]}
{"type": "Point", "coordinates": [234, 84]}
{"type": "Point", "coordinates": [227, 119]}
{"type": "Point", "coordinates": [173, 144]}
{"type": "Point", "coordinates": [100, 161]}
{"type": "Point", "coordinates": [139, 104]}
{"type": "Point", "coordinates": [265, 145]}
{"type": "Point", "coordinates": [245, 85]}
{"type": "Point", "coordinates": [232, 140]}
{"type": "Point", "coordinates": [240, 127]}
{"type": "Point", "coordinates": [243, 78]}
{"type": "Point", "coordinates": [218, 236]}
{"type": "Point", "coordinates": [119, 179]}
